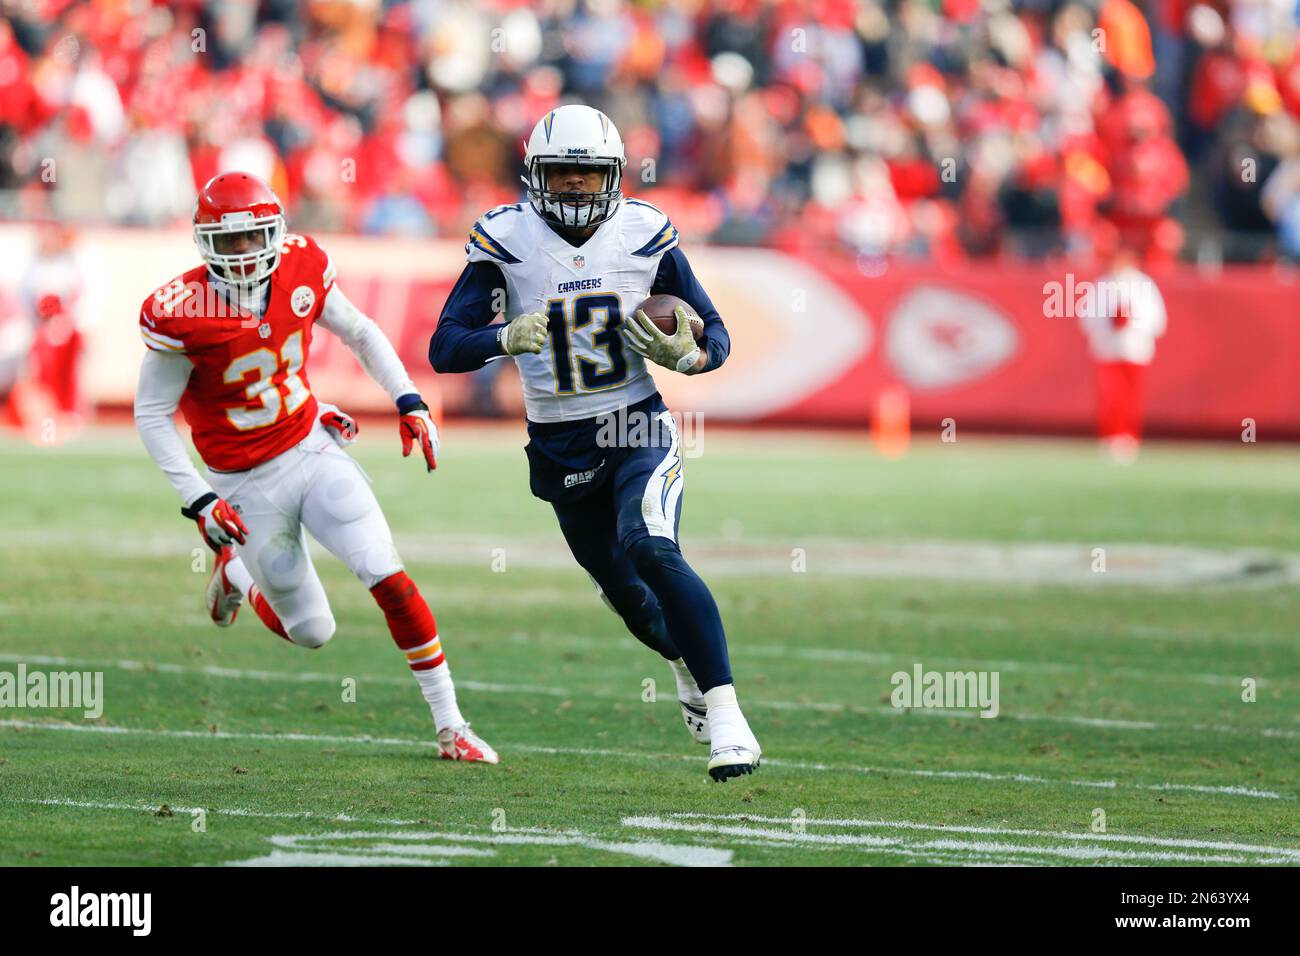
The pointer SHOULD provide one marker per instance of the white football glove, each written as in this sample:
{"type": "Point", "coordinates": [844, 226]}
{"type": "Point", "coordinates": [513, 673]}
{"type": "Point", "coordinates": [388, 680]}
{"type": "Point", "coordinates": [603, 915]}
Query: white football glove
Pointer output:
{"type": "Point", "coordinates": [338, 424]}
{"type": "Point", "coordinates": [527, 333]}
{"type": "Point", "coordinates": [677, 352]}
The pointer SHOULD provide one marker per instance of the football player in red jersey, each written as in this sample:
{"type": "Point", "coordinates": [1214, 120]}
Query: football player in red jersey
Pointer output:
{"type": "Point", "coordinates": [228, 342]}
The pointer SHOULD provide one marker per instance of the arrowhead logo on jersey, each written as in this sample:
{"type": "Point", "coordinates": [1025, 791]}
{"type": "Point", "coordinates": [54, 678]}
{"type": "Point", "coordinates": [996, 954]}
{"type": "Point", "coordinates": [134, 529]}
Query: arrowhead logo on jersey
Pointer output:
{"type": "Point", "coordinates": [264, 330]}
{"type": "Point", "coordinates": [302, 301]}
{"type": "Point", "coordinates": [939, 338]}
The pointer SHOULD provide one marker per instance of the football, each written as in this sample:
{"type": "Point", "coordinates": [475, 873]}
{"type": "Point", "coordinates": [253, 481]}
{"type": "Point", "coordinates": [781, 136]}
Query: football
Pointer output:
{"type": "Point", "coordinates": [659, 309]}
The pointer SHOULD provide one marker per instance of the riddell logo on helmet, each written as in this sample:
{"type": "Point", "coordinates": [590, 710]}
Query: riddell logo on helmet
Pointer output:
{"type": "Point", "coordinates": [586, 152]}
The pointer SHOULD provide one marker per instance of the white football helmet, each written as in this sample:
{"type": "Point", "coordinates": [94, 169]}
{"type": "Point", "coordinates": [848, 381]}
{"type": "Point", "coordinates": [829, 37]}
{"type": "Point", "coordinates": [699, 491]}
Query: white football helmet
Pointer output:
{"type": "Point", "coordinates": [574, 135]}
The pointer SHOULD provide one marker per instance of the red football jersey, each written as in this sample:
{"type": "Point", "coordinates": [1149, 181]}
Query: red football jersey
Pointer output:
{"type": "Point", "coordinates": [248, 398]}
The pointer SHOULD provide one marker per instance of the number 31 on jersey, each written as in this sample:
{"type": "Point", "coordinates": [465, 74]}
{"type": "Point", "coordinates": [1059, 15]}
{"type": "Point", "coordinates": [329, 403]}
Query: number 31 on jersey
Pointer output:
{"type": "Point", "coordinates": [266, 365]}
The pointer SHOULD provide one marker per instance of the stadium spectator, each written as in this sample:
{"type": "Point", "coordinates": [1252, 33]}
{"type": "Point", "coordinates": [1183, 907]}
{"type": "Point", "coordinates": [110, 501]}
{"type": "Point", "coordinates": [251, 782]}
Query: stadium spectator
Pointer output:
{"type": "Point", "coordinates": [966, 128]}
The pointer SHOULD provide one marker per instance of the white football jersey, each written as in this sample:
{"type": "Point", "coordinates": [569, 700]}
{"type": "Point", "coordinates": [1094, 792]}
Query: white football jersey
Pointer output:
{"type": "Point", "coordinates": [585, 369]}
{"type": "Point", "coordinates": [1124, 317]}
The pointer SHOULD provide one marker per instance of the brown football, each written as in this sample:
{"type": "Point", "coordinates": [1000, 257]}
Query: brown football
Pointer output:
{"type": "Point", "coordinates": [659, 309]}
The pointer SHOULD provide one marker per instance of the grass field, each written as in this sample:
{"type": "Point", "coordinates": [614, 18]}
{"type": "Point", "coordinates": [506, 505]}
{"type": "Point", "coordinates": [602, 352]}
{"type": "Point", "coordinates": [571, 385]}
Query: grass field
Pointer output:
{"type": "Point", "coordinates": [1120, 690]}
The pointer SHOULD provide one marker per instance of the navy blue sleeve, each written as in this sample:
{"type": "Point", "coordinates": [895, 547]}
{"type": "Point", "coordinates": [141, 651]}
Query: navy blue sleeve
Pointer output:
{"type": "Point", "coordinates": [676, 278]}
{"type": "Point", "coordinates": [464, 340]}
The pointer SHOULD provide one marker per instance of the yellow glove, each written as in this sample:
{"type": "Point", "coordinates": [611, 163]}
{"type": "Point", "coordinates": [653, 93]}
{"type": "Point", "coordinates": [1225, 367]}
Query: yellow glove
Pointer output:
{"type": "Point", "coordinates": [527, 333]}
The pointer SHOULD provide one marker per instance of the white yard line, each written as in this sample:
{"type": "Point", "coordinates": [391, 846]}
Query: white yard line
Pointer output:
{"type": "Point", "coordinates": [219, 811]}
{"type": "Point", "coordinates": [1130, 564]}
{"type": "Point", "coordinates": [286, 858]}
{"type": "Point", "coordinates": [1172, 842]}
{"type": "Point", "coordinates": [790, 837]}
{"type": "Point", "coordinates": [836, 655]}
{"type": "Point", "coordinates": [236, 673]}
{"type": "Point", "coordinates": [1233, 790]}
{"type": "Point", "coordinates": [233, 673]}
{"type": "Point", "coordinates": [676, 854]}
{"type": "Point", "coordinates": [340, 817]}
{"type": "Point", "coordinates": [408, 847]}
{"type": "Point", "coordinates": [420, 848]}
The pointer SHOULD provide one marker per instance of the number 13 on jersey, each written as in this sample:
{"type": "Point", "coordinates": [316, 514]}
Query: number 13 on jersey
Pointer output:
{"type": "Point", "coordinates": [593, 318]}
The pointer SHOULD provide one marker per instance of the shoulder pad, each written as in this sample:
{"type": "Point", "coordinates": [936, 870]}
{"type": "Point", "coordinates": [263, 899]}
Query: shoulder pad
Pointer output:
{"type": "Point", "coordinates": [294, 245]}
{"type": "Point", "coordinates": [496, 230]}
{"type": "Point", "coordinates": [165, 311]}
{"type": "Point", "coordinates": [306, 260]}
{"type": "Point", "coordinates": [648, 231]}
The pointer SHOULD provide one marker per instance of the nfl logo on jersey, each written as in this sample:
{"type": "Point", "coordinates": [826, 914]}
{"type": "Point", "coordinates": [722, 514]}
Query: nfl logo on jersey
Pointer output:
{"type": "Point", "coordinates": [264, 330]}
{"type": "Point", "coordinates": [579, 261]}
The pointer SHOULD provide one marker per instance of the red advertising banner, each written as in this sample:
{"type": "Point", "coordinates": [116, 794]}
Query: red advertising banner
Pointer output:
{"type": "Point", "coordinates": [981, 344]}
{"type": "Point", "coordinates": [813, 341]}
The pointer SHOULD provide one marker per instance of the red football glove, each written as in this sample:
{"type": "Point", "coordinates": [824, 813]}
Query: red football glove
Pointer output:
{"type": "Point", "coordinates": [218, 522]}
{"type": "Point", "coordinates": [416, 426]}
{"type": "Point", "coordinates": [341, 426]}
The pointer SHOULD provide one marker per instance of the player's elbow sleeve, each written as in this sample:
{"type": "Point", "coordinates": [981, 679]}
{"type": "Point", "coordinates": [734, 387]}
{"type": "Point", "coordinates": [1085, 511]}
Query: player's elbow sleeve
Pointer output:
{"type": "Point", "coordinates": [444, 355]}
{"type": "Point", "coordinates": [152, 413]}
{"type": "Point", "coordinates": [438, 356]}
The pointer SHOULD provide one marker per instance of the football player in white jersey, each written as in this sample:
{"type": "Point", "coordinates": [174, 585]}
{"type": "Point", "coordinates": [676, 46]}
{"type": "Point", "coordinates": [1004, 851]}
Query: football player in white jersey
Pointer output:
{"type": "Point", "coordinates": [574, 263]}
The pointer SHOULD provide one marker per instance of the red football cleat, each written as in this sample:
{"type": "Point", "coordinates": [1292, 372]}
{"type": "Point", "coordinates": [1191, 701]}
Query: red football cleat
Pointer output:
{"type": "Point", "coordinates": [463, 744]}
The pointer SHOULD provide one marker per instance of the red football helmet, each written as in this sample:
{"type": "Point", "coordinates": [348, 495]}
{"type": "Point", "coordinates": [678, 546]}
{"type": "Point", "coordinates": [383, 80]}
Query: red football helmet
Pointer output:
{"type": "Point", "coordinates": [238, 226]}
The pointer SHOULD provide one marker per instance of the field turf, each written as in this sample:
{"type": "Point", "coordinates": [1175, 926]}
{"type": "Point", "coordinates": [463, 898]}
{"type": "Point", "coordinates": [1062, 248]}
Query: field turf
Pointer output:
{"type": "Point", "coordinates": [1121, 690]}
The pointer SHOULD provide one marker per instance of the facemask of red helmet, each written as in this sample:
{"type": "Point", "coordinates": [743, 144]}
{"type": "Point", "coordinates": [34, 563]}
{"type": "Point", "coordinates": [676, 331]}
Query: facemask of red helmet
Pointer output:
{"type": "Point", "coordinates": [238, 227]}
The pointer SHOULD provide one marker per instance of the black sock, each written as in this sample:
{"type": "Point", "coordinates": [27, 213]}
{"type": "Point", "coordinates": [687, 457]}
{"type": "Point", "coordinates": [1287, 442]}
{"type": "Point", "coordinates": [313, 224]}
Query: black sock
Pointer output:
{"type": "Point", "coordinates": [689, 611]}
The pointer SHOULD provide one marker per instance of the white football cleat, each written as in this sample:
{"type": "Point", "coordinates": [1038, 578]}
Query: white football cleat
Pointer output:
{"type": "Point", "coordinates": [461, 743]}
{"type": "Point", "coordinates": [223, 598]}
{"type": "Point", "coordinates": [697, 720]}
{"type": "Point", "coordinates": [728, 762]}
{"type": "Point", "coordinates": [735, 749]}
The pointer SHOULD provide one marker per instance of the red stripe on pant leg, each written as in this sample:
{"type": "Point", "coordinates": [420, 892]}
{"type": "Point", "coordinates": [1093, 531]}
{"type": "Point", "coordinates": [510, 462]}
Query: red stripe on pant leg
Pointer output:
{"type": "Point", "coordinates": [1134, 379]}
{"type": "Point", "coordinates": [1106, 399]}
{"type": "Point", "coordinates": [409, 619]}
{"type": "Point", "coordinates": [430, 664]}
{"type": "Point", "coordinates": [268, 616]}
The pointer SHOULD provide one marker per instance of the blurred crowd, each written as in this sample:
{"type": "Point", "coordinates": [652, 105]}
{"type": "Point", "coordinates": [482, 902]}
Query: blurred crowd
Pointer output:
{"type": "Point", "coordinates": [946, 129]}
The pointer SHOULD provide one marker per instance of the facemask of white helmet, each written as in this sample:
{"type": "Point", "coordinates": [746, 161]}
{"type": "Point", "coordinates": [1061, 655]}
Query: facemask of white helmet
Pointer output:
{"type": "Point", "coordinates": [574, 210]}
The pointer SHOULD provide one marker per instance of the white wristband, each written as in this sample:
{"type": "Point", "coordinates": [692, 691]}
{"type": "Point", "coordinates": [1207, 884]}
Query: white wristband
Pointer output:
{"type": "Point", "coordinates": [501, 338]}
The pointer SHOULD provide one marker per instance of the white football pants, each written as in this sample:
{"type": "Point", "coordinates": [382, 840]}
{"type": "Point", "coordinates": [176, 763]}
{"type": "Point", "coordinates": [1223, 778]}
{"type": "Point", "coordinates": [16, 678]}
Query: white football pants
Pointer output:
{"type": "Point", "coordinates": [314, 485]}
